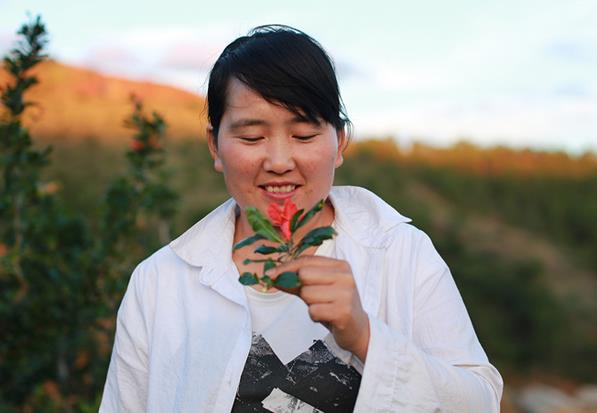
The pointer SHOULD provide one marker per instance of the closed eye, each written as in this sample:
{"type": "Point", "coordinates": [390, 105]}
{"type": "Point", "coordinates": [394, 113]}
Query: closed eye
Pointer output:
{"type": "Point", "coordinates": [305, 138]}
{"type": "Point", "coordinates": [250, 139]}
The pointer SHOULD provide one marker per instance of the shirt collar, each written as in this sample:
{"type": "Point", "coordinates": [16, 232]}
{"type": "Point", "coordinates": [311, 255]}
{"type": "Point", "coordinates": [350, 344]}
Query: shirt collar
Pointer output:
{"type": "Point", "coordinates": [363, 215]}
{"type": "Point", "coordinates": [358, 212]}
{"type": "Point", "coordinates": [209, 241]}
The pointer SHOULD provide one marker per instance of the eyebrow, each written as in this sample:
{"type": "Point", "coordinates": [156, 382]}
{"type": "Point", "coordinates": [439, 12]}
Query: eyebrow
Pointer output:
{"type": "Point", "coordinates": [242, 123]}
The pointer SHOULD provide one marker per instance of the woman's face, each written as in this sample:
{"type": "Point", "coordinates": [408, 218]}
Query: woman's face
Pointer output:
{"type": "Point", "coordinates": [267, 154]}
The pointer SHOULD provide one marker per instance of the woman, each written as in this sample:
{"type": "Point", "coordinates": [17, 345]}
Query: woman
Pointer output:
{"type": "Point", "coordinates": [378, 324]}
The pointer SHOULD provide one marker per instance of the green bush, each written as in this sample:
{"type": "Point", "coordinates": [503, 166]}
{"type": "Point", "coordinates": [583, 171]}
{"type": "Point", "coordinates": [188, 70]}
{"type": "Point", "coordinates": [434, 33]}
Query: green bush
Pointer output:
{"type": "Point", "coordinates": [61, 274]}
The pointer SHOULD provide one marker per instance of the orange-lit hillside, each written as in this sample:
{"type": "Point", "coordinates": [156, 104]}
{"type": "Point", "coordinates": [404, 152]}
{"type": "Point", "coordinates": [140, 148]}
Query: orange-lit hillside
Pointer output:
{"type": "Point", "coordinates": [501, 160]}
{"type": "Point", "coordinates": [480, 161]}
{"type": "Point", "coordinates": [74, 103]}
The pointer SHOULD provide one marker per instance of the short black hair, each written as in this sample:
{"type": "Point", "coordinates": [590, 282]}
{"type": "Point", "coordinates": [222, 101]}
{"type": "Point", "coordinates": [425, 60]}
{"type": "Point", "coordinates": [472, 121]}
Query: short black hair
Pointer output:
{"type": "Point", "coordinates": [286, 67]}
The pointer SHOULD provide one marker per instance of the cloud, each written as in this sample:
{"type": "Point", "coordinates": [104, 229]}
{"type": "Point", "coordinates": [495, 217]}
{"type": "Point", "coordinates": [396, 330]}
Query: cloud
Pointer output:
{"type": "Point", "coordinates": [567, 124]}
{"type": "Point", "coordinates": [110, 56]}
{"type": "Point", "coordinates": [7, 41]}
{"type": "Point", "coordinates": [573, 89]}
{"type": "Point", "coordinates": [112, 59]}
{"type": "Point", "coordinates": [161, 39]}
{"type": "Point", "coordinates": [572, 37]}
{"type": "Point", "coordinates": [577, 51]}
{"type": "Point", "coordinates": [349, 70]}
{"type": "Point", "coordinates": [189, 56]}
{"type": "Point", "coordinates": [169, 55]}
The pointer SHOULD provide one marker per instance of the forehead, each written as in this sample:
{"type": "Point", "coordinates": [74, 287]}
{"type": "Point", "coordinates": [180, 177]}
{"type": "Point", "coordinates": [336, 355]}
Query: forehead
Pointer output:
{"type": "Point", "coordinates": [244, 106]}
{"type": "Point", "coordinates": [240, 96]}
{"type": "Point", "coordinates": [242, 101]}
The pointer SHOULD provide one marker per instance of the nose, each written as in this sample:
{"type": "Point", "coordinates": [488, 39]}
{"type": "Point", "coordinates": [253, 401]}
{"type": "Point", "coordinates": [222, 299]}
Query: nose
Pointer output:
{"type": "Point", "coordinates": [279, 158]}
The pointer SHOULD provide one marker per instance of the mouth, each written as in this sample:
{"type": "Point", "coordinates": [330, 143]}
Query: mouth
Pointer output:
{"type": "Point", "coordinates": [279, 191]}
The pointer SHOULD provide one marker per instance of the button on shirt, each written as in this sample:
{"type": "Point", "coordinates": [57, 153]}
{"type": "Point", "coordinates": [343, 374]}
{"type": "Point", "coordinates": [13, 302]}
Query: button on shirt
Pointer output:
{"type": "Point", "coordinates": [184, 327]}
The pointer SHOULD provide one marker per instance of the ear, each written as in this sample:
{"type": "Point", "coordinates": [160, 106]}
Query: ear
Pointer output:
{"type": "Point", "coordinates": [213, 148]}
{"type": "Point", "coordinates": [342, 143]}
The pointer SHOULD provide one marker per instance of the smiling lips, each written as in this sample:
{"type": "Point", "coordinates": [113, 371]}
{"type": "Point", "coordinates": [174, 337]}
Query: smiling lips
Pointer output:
{"type": "Point", "coordinates": [280, 188]}
{"type": "Point", "coordinates": [279, 191]}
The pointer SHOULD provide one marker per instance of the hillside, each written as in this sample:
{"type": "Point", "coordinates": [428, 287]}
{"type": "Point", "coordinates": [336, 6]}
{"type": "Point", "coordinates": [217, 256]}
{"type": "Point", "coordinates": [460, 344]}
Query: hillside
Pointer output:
{"type": "Point", "coordinates": [478, 161]}
{"type": "Point", "coordinates": [74, 103]}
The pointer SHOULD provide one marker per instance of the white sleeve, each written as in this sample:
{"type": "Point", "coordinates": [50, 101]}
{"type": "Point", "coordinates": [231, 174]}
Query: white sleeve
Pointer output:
{"type": "Point", "coordinates": [126, 385]}
{"type": "Point", "coordinates": [442, 367]}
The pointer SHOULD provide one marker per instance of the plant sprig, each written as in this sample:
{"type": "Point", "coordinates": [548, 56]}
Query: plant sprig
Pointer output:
{"type": "Point", "coordinates": [285, 221]}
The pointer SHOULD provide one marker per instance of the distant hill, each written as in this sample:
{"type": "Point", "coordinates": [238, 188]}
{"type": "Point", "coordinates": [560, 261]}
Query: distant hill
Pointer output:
{"type": "Point", "coordinates": [494, 161]}
{"type": "Point", "coordinates": [75, 103]}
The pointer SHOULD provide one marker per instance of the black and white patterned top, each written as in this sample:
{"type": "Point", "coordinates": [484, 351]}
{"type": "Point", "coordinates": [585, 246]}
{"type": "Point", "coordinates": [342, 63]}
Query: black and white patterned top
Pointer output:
{"type": "Point", "coordinates": [315, 381]}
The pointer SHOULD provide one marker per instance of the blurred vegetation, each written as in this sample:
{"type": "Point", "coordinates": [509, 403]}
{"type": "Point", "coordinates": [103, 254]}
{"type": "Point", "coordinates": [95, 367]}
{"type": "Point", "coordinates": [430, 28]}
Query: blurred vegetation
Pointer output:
{"type": "Point", "coordinates": [531, 318]}
{"type": "Point", "coordinates": [61, 273]}
{"type": "Point", "coordinates": [559, 207]}
{"type": "Point", "coordinates": [75, 221]}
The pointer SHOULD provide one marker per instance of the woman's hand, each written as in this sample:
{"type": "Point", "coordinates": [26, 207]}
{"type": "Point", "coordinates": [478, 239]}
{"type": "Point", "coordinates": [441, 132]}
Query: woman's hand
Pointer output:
{"type": "Point", "coordinates": [329, 290]}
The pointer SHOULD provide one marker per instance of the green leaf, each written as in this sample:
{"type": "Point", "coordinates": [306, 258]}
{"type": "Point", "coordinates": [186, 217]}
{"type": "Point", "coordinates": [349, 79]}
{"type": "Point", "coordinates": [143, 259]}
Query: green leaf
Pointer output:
{"type": "Point", "coordinates": [294, 220]}
{"type": "Point", "coordinates": [248, 241]}
{"type": "Point", "coordinates": [288, 279]}
{"type": "Point", "coordinates": [270, 234]}
{"type": "Point", "coordinates": [247, 261]}
{"type": "Point", "coordinates": [248, 278]}
{"type": "Point", "coordinates": [256, 219]}
{"type": "Point", "coordinates": [267, 281]}
{"type": "Point", "coordinates": [318, 207]}
{"type": "Point", "coordinates": [314, 238]}
{"type": "Point", "coordinates": [300, 248]}
{"type": "Point", "coordinates": [262, 226]}
{"type": "Point", "coordinates": [268, 265]}
{"type": "Point", "coordinates": [265, 250]}
{"type": "Point", "coordinates": [320, 233]}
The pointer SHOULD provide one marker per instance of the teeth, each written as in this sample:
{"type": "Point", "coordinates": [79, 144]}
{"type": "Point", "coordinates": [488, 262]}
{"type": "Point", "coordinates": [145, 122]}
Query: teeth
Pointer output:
{"type": "Point", "coordinates": [278, 189]}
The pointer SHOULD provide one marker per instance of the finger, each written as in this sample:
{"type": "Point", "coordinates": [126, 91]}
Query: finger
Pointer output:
{"type": "Point", "coordinates": [322, 312]}
{"type": "Point", "coordinates": [311, 275]}
{"type": "Point", "coordinates": [297, 263]}
{"type": "Point", "coordinates": [317, 294]}
{"type": "Point", "coordinates": [318, 277]}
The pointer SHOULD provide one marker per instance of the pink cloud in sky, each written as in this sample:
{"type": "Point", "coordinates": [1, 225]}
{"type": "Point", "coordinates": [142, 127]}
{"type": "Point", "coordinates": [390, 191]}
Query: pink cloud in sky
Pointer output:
{"type": "Point", "coordinates": [189, 56]}
{"type": "Point", "coordinates": [109, 58]}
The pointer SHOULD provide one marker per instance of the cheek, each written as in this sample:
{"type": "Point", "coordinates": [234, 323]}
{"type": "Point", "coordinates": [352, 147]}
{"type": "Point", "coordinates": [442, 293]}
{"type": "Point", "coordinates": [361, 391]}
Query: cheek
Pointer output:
{"type": "Point", "coordinates": [238, 170]}
{"type": "Point", "coordinates": [322, 164]}
{"type": "Point", "coordinates": [233, 159]}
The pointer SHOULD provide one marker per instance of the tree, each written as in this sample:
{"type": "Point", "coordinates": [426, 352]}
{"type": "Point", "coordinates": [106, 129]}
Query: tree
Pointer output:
{"type": "Point", "coordinates": [61, 278]}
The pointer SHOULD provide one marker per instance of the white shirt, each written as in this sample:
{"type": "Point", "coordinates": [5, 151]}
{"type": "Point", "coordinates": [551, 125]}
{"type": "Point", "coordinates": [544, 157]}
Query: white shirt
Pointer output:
{"type": "Point", "coordinates": [283, 321]}
{"type": "Point", "coordinates": [268, 308]}
{"type": "Point", "coordinates": [184, 328]}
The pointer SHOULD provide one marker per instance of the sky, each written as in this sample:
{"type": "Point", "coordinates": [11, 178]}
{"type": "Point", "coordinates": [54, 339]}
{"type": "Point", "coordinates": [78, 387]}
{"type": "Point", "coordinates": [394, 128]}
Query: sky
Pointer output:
{"type": "Point", "coordinates": [520, 73]}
